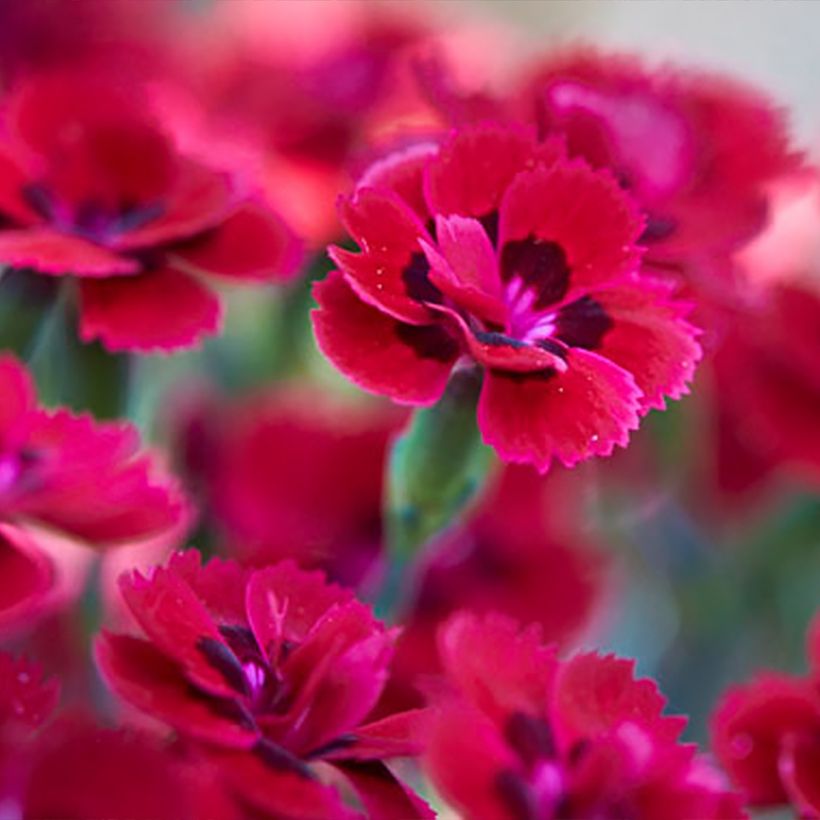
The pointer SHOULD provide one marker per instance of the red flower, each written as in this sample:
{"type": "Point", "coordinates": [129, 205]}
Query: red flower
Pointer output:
{"type": "Point", "coordinates": [268, 673]}
{"type": "Point", "coordinates": [526, 735]}
{"type": "Point", "coordinates": [67, 472]}
{"type": "Point", "coordinates": [270, 469]}
{"type": "Point", "coordinates": [766, 734]}
{"type": "Point", "coordinates": [79, 770]}
{"type": "Point", "coordinates": [523, 555]}
{"type": "Point", "coordinates": [494, 250]}
{"type": "Point", "coordinates": [696, 150]}
{"type": "Point", "coordinates": [92, 187]}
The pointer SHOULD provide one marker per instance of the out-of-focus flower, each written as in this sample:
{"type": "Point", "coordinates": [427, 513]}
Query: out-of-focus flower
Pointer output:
{"type": "Point", "coordinates": [292, 473]}
{"type": "Point", "coordinates": [523, 734]}
{"type": "Point", "coordinates": [271, 674]}
{"type": "Point", "coordinates": [493, 250]}
{"type": "Point", "coordinates": [92, 187]}
{"type": "Point", "coordinates": [766, 734]}
{"type": "Point", "coordinates": [87, 480]}
{"type": "Point", "coordinates": [764, 382]}
{"type": "Point", "coordinates": [79, 770]}
{"type": "Point", "coordinates": [523, 555]}
{"type": "Point", "coordinates": [696, 150]}
{"type": "Point", "coordinates": [306, 89]}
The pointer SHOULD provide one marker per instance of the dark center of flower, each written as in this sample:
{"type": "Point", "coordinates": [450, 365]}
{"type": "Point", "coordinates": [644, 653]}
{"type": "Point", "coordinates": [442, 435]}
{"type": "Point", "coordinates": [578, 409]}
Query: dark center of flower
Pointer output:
{"type": "Point", "coordinates": [536, 789]}
{"type": "Point", "coordinates": [89, 219]}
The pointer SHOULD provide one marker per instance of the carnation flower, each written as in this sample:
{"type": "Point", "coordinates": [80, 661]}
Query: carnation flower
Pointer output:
{"type": "Point", "coordinates": [696, 150]}
{"type": "Point", "coordinates": [271, 674]}
{"type": "Point", "coordinates": [65, 472]}
{"type": "Point", "coordinates": [269, 470]}
{"type": "Point", "coordinates": [524, 734]}
{"type": "Point", "coordinates": [91, 187]}
{"type": "Point", "coordinates": [766, 734]}
{"type": "Point", "coordinates": [492, 250]}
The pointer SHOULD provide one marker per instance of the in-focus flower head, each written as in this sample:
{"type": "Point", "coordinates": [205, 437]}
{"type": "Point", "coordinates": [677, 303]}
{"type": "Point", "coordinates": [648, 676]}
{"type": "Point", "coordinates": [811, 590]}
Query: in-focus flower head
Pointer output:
{"type": "Point", "coordinates": [493, 250]}
{"type": "Point", "coordinates": [524, 734]}
{"type": "Point", "coordinates": [65, 472]}
{"type": "Point", "coordinates": [92, 187]}
{"type": "Point", "coordinates": [696, 150]}
{"type": "Point", "coordinates": [271, 674]}
{"type": "Point", "coordinates": [766, 734]}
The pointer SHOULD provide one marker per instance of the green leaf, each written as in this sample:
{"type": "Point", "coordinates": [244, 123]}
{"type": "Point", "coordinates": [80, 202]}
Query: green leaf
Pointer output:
{"type": "Point", "coordinates": [26, 302]}
{"type": "Point", "coordinates": [84, 377]}
{"type": "Point", "coordinates": [436, 468]}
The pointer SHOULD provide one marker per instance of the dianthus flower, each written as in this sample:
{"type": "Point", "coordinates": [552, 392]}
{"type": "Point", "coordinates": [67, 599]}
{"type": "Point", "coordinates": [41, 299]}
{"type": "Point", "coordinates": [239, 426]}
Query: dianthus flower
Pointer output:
{"type": "Point", "coordinates": [93, 188]}
{"type": "Point", "coordinates": [766, 733]}
{"type": "Point", "coordinates": [522, 555]}
{"type": "Point", "coordinates": [696, 150]}
{"type": "Point", "coordinates": [270, 674]}
{"type": "Point", "coordinates": [523, 734]}
{"type": "Point", "coordinates": [493, 250]}
{"type": "Point", "coordinates": [66, 472]}
{"type": "Point", "coordinates": [268, 469]}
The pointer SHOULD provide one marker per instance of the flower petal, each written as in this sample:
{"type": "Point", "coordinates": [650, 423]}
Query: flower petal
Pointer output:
{"type": "Point", "coordinates": [383, 796]}
{"type": "Point", "coordinates": [253, 244]}
{"type": "Point", "coordinates": [650, 338]}
{"type": "Point", "coordinates": [584, 212]}
{"type": "Point", "coordinates": [146, 679]}
{"type": "Point", "coordinates": [161, 309]}
{"type": "Point", "coordinates": [61, 254]}
{"type": "Point", "coordinates": [475, 166]}
{"type": "Point", "coordinates": [388, 233]}
{"type": "Point", "coordinates": [409, 364]}
{"type": "Point", "coordinates": [570, 416]}
{"type": "Point", "coordinates": [177, 623]}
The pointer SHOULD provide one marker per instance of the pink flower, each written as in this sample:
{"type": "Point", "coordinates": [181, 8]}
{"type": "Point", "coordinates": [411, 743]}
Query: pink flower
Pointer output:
{"type": "Point", "coordinates": [92, 187]}
{"type": "Point", "coordinates": [68, 473]}
{"type": "Point", "coordinates": [696, 150]}
{"type": "Point", "coordinates": [268, 673]}
{"type": "Point", "coordinates": [492, 250]}
{"type": "Point", "coordinates": [766, 734]}
{"type": "Point", "coordinates": [523, 555]}
{"type": "Point", "coordinates": [524, 734]}
{"type": "Point", "coordinates": [292, 473]}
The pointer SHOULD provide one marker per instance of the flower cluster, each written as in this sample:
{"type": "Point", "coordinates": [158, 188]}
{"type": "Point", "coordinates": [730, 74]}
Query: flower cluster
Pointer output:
{"type": "Point", "coordinates": [435, 599]}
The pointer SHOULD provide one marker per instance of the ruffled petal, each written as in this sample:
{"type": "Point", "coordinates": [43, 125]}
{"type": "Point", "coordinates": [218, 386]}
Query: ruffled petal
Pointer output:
{"type": "Point", "coordinates": [161, 309]}
{"type": "Point", "coordinates": [410, 364]}
{"type": "Point", "coordinates": [388, 233]}
{"type": "Point", "coordinates": [475, 166]}
{"type": "Point", "coordinates": [584, 212]}
{"type": "Point", "coordinates": [583, 412]}
{"type": "Point", "coordinates": [92, 482]}
{"type": "Point", "coordinates": [476, 649]}
{"type": "Point", "coordinates": [651, 339]}
{"type": "Point", "coordinates": [253, 244]}
{"type": "Point", "coordinates": [61, 254]}
{"type": "Point", "coordinates": [403, 173]}
{"type": "Point", "coordinates": [594, 693]}
{"type": "Point", "coordinates": [178, 624]}
{"type": "Point", "coordinates": [149, 681]}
